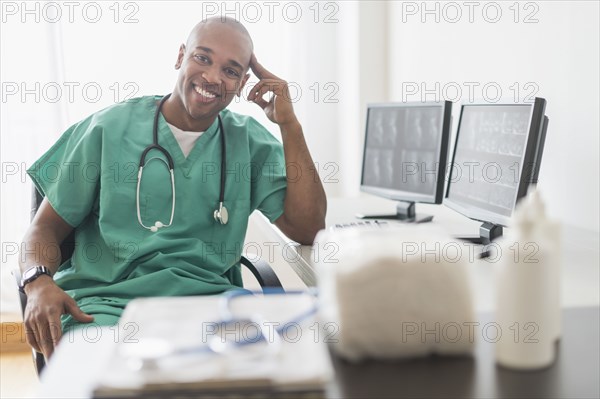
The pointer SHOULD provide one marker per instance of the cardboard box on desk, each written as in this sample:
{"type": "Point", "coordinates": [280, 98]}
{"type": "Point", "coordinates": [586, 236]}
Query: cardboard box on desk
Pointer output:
{"type": "Point", "coordinates": [173, 350]}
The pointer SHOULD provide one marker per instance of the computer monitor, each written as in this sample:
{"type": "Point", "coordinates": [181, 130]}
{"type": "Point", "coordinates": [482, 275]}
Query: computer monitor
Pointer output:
{"type": "Point", "coordinates": [405, 155]}
{"type": "Point", "coordinates": [497, 156]}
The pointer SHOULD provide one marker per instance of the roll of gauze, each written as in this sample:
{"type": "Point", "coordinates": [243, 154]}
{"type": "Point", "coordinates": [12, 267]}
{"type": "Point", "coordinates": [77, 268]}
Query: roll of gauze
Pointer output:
{"type": "Point", "coordinates": [393, 293]}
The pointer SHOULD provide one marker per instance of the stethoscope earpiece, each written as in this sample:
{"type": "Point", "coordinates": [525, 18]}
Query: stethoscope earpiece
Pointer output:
{"type": "Point", "coordinates": [156, 226]}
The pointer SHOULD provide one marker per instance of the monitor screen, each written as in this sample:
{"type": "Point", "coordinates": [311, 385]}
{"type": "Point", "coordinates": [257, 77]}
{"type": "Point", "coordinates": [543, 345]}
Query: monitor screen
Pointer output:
{"type": "Point", "coordinates": [405, 151]}
{"type": "Point", "coordinates": [493, 159]}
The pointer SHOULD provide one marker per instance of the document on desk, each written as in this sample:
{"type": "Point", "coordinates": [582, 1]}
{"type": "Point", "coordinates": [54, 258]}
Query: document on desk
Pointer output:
{"type": "Point", "coordinates": [270, 346]}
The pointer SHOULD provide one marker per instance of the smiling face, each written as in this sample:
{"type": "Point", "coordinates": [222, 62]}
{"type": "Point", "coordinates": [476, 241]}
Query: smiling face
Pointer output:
{"type": "Point", "coordinates": [213, 69]}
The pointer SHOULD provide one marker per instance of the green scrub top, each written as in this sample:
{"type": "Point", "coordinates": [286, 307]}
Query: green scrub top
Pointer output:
{"type": "Point", "coordinates": [90, 177]}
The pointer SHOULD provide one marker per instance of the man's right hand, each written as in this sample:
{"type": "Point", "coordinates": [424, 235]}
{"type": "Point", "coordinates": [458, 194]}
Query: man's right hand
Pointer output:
{"type": "Point", "coordinates": [46, 302]}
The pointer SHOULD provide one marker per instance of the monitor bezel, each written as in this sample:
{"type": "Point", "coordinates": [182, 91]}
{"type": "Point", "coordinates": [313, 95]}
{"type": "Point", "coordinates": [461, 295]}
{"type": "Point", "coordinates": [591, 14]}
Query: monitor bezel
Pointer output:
{"type": "Point", "coordinates": [528, 163]}
{"type": "Point", "coordinates": [398, 195]}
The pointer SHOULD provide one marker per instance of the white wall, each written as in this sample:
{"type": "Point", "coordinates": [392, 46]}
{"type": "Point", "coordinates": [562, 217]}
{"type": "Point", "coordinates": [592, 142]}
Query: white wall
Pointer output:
{"type": "Point", "coordinates": [557, 57]}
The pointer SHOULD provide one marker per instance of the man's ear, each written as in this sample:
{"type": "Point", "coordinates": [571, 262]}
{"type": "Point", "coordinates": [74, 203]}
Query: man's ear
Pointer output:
{"type": "Point", "coordinates": [242, 84]}
{"type": "Point", "coordinates": [180, 56]}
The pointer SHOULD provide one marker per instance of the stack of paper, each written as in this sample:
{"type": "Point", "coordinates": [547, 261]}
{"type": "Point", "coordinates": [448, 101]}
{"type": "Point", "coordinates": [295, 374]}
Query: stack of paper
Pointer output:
{"type": "Point", "coordinates": [175, 347]}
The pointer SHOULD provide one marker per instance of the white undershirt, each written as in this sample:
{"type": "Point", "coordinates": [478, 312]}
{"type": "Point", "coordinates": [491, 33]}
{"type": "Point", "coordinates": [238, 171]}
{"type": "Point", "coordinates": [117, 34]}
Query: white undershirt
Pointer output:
{"type": "Point", "coordinates": [185, 139]}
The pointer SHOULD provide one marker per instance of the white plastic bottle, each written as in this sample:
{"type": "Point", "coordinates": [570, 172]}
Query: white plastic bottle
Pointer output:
{"type": "Point", "coordinates": [525, 293]}
{"type": "Point", "coordinates": [549, 233]}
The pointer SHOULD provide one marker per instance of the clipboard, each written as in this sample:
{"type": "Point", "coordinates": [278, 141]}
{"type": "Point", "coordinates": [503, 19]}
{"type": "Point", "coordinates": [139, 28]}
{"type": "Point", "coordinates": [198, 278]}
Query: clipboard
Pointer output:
{"type": "Point", "coordinates": [169, 354]}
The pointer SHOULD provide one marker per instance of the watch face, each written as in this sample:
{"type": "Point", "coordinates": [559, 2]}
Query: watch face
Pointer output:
{"type": "Point", "coordinates": [30, 273]}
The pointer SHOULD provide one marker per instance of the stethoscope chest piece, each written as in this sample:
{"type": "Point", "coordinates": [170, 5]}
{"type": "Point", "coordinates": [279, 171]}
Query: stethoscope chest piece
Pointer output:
{"type": "Point", "coordinates": [221, 215]}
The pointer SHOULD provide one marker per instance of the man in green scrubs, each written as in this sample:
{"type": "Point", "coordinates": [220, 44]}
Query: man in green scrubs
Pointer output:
{"type": "Point", "coordinates": [90, 180]}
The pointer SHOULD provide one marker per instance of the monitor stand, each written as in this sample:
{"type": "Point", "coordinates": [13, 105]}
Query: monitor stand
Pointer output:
{"type": "Point", "coordinates": [405, 212]}
{"type": "Point", "coordinates": [488, 232]}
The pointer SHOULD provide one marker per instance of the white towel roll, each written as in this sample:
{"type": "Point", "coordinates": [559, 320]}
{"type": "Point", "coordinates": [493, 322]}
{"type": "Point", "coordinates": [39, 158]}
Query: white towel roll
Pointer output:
{"type": "Point", "coordinates": [394, 293]}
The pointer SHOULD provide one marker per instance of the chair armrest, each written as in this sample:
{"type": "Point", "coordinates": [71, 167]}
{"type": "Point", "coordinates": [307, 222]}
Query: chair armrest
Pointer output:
{"type": "Point", "coordinates": [263, 272]}
{"type": "Point", "coordinates": [16, 272]}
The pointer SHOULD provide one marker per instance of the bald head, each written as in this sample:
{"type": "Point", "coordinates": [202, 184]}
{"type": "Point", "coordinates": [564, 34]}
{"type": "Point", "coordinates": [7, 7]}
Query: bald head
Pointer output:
{"type": "Point", "coordinates": [213, 68]}
{"type": "Point", "coordinates": [220, 23]}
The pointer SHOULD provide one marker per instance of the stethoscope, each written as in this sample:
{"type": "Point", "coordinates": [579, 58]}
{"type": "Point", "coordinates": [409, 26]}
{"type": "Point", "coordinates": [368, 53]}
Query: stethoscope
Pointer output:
{"type": "Point", "coordinates": [220, 215]}
{"type": "Point", "coordinates": [225, 336]}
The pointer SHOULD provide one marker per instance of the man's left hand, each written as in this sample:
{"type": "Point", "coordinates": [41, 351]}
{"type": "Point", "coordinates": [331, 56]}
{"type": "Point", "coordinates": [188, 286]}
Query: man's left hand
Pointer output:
{"type": "Point", "coordinates": [279, 108]}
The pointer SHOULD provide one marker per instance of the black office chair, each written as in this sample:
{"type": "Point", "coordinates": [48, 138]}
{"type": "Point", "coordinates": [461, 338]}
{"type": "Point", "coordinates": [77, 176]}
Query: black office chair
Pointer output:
{"type": "Point", "coordinates": [261, 270]}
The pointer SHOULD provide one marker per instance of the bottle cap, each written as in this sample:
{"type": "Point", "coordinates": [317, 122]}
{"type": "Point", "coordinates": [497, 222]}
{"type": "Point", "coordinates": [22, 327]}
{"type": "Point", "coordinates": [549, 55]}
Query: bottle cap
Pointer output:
{"type": "Point", "coordinates": [536, 204]}
{"type": "Point", "coordinates": [530, 211]}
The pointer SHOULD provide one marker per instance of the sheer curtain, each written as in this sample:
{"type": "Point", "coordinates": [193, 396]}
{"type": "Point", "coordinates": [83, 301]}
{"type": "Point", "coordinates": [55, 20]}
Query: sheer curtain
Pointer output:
{"type": "Point", "coordinates": [62, 61]}
{"type": "Point", "coordinates": [31, 117]}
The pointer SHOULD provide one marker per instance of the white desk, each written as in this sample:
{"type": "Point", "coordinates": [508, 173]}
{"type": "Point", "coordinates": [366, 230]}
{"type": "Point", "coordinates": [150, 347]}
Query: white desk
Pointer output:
{"type": "Point", "coordinates": [580, 280]}
{"type": "Point", "coordinates": [342, 210]}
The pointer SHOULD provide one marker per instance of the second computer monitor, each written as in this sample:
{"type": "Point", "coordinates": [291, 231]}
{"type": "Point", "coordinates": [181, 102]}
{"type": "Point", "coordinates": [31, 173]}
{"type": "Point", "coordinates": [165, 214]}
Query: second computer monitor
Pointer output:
{"type": "Point", "coordinates": [497, 155]}
{"type": "Point", "coordinates": [405, 153]}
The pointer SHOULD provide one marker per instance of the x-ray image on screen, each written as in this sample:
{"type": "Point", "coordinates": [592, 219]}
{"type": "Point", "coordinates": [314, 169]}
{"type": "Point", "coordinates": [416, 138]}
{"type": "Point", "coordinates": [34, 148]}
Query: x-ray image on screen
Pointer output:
{"type": "Point", "coordinates": [489, 151]}
{"type": "Point", "coordinates": [402, 148]}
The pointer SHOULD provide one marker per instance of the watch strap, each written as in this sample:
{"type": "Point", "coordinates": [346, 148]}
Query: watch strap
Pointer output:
{"type": "Point", "coordinates": [28, 277]}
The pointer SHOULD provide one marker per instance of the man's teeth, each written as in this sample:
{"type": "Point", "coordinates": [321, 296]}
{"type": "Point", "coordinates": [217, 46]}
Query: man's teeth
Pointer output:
{"type": "Point", "coordinates": [204, 93]}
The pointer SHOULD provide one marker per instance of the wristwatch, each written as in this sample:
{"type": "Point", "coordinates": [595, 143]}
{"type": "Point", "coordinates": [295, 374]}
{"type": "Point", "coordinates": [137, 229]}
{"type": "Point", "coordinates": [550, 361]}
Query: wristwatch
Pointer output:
{"type": "Point", "coordinates": [31, 274]}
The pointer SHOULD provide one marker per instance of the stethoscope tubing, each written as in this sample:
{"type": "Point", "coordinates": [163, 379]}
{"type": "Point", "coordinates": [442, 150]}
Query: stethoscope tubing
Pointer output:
{"type": "Point", "coordinates": [227, 317]}
{"type": "Point", "coordinates": [220, 214]}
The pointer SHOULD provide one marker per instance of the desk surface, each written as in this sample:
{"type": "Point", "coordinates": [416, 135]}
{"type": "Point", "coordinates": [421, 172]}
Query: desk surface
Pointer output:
{"type": "Point", "coordinates": [573, 375]}
{"type": "Point", "coordinates": [580, 266]}
{"type": "Point", "coordinates": [342, 210]}
{"type": "Point", "coordinates": [72, 369]}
